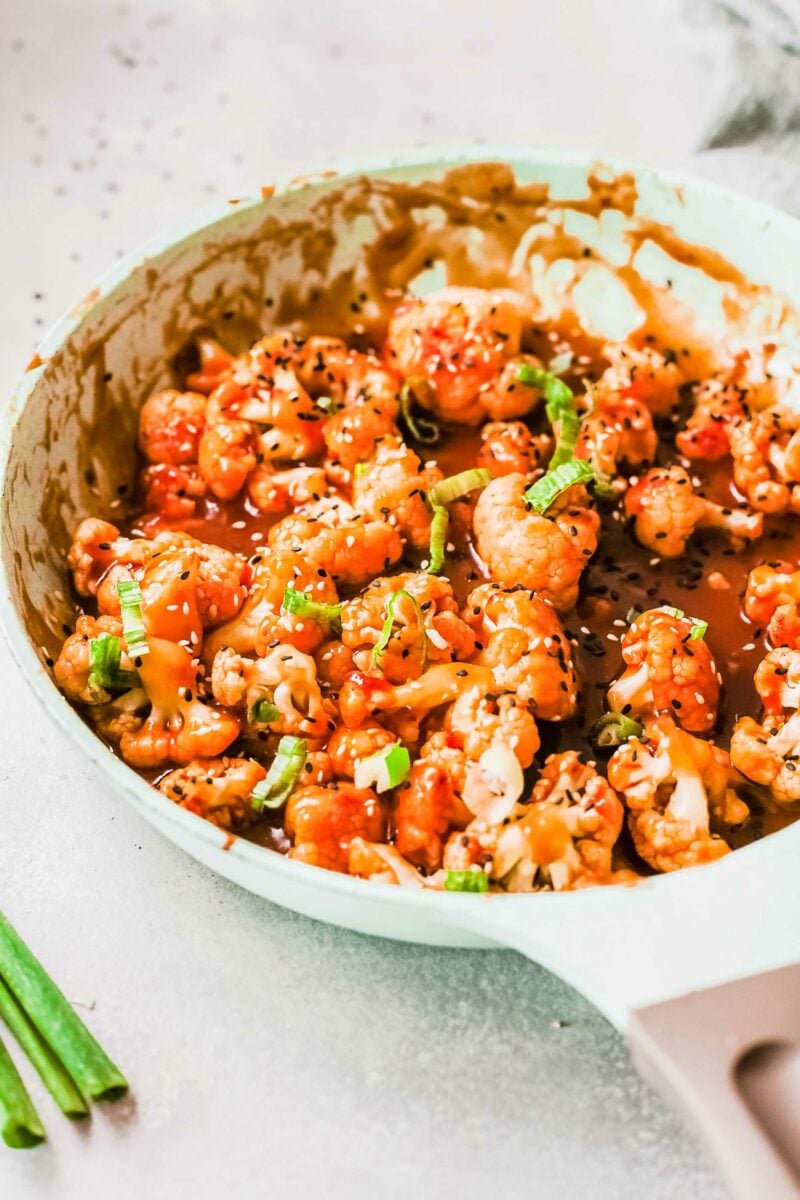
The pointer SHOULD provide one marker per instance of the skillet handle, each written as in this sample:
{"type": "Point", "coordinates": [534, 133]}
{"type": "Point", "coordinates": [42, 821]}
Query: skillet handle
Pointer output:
{"type": "Point", "coordinates": [728, 1057]}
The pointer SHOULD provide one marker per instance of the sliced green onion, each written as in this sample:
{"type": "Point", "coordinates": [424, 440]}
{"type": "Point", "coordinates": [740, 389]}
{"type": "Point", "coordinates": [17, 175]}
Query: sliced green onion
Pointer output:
{"type": "Point", "coordinates": [699, 629]}
{"type": "Point", "coordinates": [388, 624]}
{"type": "Point", "coordinates": [672, 612]}
{"type": "Point", "coordinates": [130, 599]}
{"type": "Point", "coordinates": [46, 1008]}
{"type": "Point", "coordinates": [360, 469]}
{"type": "Point", "coordinates": [263, 712]}
{"type": "Point", "coordinates": [439, 526]}
{"type": "Point", "coordinates": [455, 486]}
{"type": "Point", "coordinates": [20, 1126]}
{"type": "Point", "coordinates": [466, 881]}
{"type": "Point", "coordinates": [546, 490]}
{"type": "Point", "coordinates": [385, 770]}
{"type": "Point", "coordinates": [54, 1075]}
{"type": "Point", "coordinates": [302, 605]}
{"type": "Point", "coordinates": [559, 406]}
{"type": "Point", "coordinates": [615, 728]}
{"type": "Point", "coordinates": [422, 429]}
{"type": "Point", "coordinates": [105, 653]}
{"type": "Point", "coordinates": [282, 777]}
{"type": "Point", "coordinates": [328, 405]}
{"type": "Point", "coordinates": [439, 496]}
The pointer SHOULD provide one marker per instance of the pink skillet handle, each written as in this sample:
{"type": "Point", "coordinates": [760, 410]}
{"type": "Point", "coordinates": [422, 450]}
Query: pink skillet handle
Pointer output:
{"type": "Point", "coordinates": [728, 1058]}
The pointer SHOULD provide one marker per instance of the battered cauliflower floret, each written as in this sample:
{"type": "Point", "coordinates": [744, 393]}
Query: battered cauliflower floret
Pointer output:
{"type": "Point", "coordinates": [170, 426]}
{"type": "Point", "coordinates": [616, 430]}
{"type": "Point", "coordinates": [772, 599]}
{"type": "Point", "coordinates": [286, 679]}
{"type": "Point", "coordinates": [674, 784]}
{"type": "Point", "coordinates": [426, 628]}
{"type": "Point", "coordinates": [545, 553]}
{"type": "Point", "coordinates": [347, 746]}
{"type": "Point", "coordinates": [227, 452]}
{"type": "Point", "coordinates": [179, 726]}
{"type": "Point", "coordinates": [666, 671]}
{"type": "Point", "coordinates": [214, 364]}
{"type": "Point", "coordinates": [352, 549]}
{"type": "Point", "coordinates": [328, 367]}
{"type": "Point", "coordinates": [561, 840]}
{"type": "Point", "coordinates": [766, 459]}
{"type": "Point", "coordinates": [507, 396]}
{"type": "Point", "coordinates": [334, 663]}
{"type": "Point", "coordinates": [276, 491]}
{"type": "Point", "coordinates": [362, 696]}
{"type": "Point", "coordinates": [322, 822]}
{"type": "Point", "coordinates": [643, 374]}
{"type": "Point", "coordinates": [98, 546]}
{"type": "Point", "coordinates": [777, 680]}
{"type": "Point", "coordinates": [476, 723]}
{"type": "Point", "coordinates": [393, 488]}
{"type": "Point", "coordinates": [666, 512]}
{"type": "Point", "coordinates": [717, 405]}
{"type": "Point", "coordinates": [352, 435]}
{"type": "Point", "coordinates": [172, 492]}
{"type": "Point", "coordinates": [457, 340]}
{"type": "Point", "coordinates": [509, 447]}
{"type": "Point", "coordinates": [262, 618]}
{"type": "Point", "coordinates": [72, 667]}
{"type": "Point", "coordinates": [287, 421]}
{"type": "Point", "coordinates": [521, 639]}
{"type": "Point", "coordinates": [217, 789]}
{"type": "Point", "coordinates": [427, 807]}
{"type": "Point", "coordinates": [769, 753]}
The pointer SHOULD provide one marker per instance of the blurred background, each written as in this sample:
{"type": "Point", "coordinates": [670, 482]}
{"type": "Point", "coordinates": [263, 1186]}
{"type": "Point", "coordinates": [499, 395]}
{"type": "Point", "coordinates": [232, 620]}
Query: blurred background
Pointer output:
{"type": "Point", "coordinates": [378, 1070]}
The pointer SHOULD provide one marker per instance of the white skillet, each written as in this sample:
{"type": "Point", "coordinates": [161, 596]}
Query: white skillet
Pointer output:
{"type": "Point", "coordinates": [699, 969]}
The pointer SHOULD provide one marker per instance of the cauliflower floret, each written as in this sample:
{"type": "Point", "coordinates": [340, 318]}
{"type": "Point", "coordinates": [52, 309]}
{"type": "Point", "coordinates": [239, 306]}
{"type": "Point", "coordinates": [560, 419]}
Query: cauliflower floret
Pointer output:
{"type": "Point", "coordinates": [322, 822]}
{"type": "Point", "coordinates": [170, 426]}
{"type": "Point", "coordinates": [667, 671]}
{"type": "Point", "coordinates": [262, 619]}
{"type": "Point", "coordinates": [644, 374]}
{"type": "Point", "coordinates": [543, 553]}
{"type": "Point", "coordinates": [769, 754]}
{"type": "Point", "coordinates": [509, 447]}
{"type": "Point", "coordinates": [276, 491]}
{"type": "Point", "coordinates": [777, 680]}
{"type": "Point", "coordinates": [286, 679]}
{"type": "Point", "coordinates": [667, 512]}
{"type": "Point", "coordinates": [673, 785]}
{"type": "Point", "coordinates": [172, 492]}
{"type": "Point", "coordinates": [717, 405]}
{"type": "Point", "coordinates": [772, 598]}
{"type": "Point", "coordinates": [287, 421]}
{"type": "Point", "coordinates": [352, 435]}
{"type": "Point", "coordinates": [475, 723]}
{"type": "Point", "coordinates": [327, 367]}
{"type": "Point", "coordinates": [334, 663]}
{"type": "Point", "coordinates": [347, 746]}
{"type": "Point", "coordinates": [393, 488]}
{"type": "Point", "coordinates": [97, 546]}
{"type": "Point", "coordinates": [179, 726]}
{"type": "Point", "coordinates": [227, 451]}
{"type": "Point", "coordinates": [427, 806]}
{"type": "Point", "coordinates": [457, 340]}
{"type": "Point", "coordinates": [766, 459]}
{"type": "Point", "coordinates": [617, 429]}
{"type": "Point", "coordinates": [522, 641]}
{"type": "Point", "coordinates": [72, 667]}
{"type": "Point", "coordinates": [214, 364]}
{"type": "Point", "coordinates": [428, 628]}
{"type": "Point", "coordinates": [507, 396]}
{"type": "Point", "coordinates": [382, 864]}
{"type": "Point", "coordinates": [349, 547]}
{"type": "Point", "coordinates": [217, 789]}
{"type": "Point", "coordinates": [362, 696]}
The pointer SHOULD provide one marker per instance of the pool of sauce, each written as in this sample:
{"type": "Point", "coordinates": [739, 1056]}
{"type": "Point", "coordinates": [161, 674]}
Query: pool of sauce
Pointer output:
{"type": "Point", "coordinates": [623, 577]}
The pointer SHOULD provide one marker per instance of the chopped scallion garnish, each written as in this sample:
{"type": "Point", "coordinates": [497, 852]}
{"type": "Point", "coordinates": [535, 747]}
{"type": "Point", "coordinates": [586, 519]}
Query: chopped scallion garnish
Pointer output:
{"type": "Point", "coordinates": [360, 469]}
{"type": "Point", "coordinates": [385, 770]}
{"type": "Point", "coordinates": [105, 672]}
{"type": "Point", "coordinates": [546, 490]}
{"type": "Point", "coordinates": [439, 496]}
{"type": "Point", "coordinates": [672, 612]}
{"type": "Point", "coordinates": [615, 728]}
{"type": "Point", "coordinates": [699, 629]}
{"type": "Point", "coordinates": [130, 599]}
{"type": "Point", "coordinates": [263, 712]}
{"type": "Point", "coordinates": [282, 777]}
{"type": "Point", "coordinates": [422, 429]}
{"type": "Point", "coordinates": [388, 624]}
{"type": "Point", "coordinates": [328, 405]}
{"type": "Point", "coordinates": [560, 408]}
{"type": "Point", "coordinates": [466, 881]}
{"type": "Point", "coordinates": [302, 605]}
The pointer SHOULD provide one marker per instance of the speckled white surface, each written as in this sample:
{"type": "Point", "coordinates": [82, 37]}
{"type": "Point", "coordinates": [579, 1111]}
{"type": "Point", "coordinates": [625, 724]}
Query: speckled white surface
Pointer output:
{"type": "Point", "coordinates": [270, 1055]}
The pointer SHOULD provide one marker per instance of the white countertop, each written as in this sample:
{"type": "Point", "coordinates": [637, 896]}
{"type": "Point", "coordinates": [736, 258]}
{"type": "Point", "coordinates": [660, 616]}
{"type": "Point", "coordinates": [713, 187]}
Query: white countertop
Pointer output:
{"type": "Point", "coordinates": [270, 1055]}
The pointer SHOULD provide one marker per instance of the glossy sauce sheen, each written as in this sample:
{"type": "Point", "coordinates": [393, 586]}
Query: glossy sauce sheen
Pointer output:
{"type": "Point", "coordinates": [621, 576]}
